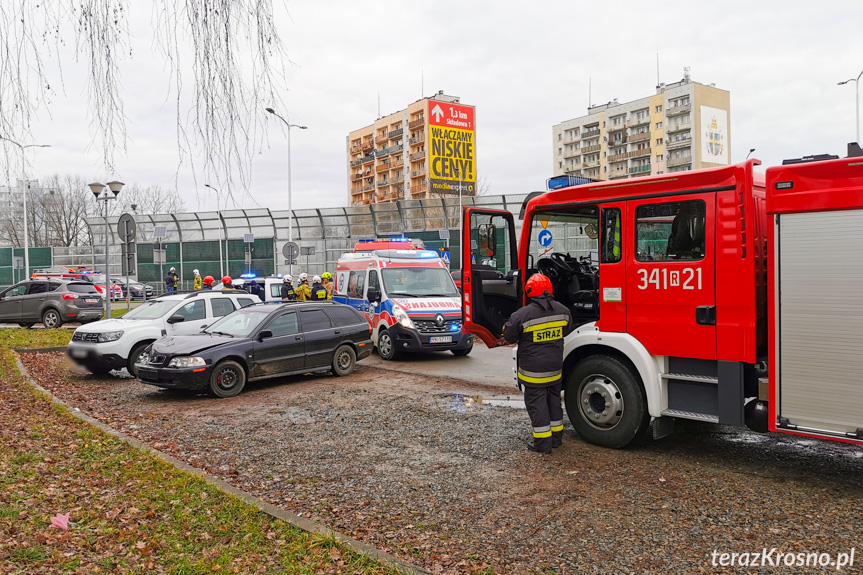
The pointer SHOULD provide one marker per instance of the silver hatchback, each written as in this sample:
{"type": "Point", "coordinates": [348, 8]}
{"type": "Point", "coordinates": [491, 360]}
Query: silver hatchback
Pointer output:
{"type": "Point", "coordinates": [52, 302]}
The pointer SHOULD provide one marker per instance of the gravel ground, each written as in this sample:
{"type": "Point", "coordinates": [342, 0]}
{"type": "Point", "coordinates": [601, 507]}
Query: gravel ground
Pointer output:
{"type": "Point", "coordinates": [415, 466]}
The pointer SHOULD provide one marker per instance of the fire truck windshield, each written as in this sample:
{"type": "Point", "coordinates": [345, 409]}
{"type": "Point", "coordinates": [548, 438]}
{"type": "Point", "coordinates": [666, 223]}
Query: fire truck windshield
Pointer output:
{"type": "Point", "coordinates": [418, 281]}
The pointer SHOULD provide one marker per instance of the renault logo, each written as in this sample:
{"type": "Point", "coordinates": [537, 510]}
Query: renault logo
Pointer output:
{"type": "Point", "coordinates": [438, 320]}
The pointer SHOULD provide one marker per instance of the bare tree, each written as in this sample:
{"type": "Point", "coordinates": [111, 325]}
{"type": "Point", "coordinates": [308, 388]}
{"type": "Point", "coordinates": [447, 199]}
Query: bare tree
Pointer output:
{"type": "Point", "coordinates": [149, 200]}
{"type": "Point", "coordinates": [235, 69]}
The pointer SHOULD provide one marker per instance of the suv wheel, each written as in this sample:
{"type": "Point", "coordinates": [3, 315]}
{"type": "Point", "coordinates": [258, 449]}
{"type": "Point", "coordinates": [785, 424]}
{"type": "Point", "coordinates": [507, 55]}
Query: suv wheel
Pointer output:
{"type": "Point", "coordinates": [228, 379]}
{"type": "Point", "coordinates": [135, 357]}
{"type": "Point", "coordinates": [344, 360]}
{"type": "Point", "coordinates": [52, 319]}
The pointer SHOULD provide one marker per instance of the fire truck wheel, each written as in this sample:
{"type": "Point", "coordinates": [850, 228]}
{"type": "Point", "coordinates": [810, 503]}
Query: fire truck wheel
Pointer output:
{"type": "Point", "coordinates": [344, 361]}
{"type": "Point", "coordinates": [386, 346]}
{"type": "Point", "coordinates": [605, 402]}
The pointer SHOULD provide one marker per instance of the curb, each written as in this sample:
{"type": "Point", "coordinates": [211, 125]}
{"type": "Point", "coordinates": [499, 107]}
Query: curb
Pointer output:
{"type": "Point", "coordinates": [276, 512]}
{"type": "Point", "coordinates": [38, 350]}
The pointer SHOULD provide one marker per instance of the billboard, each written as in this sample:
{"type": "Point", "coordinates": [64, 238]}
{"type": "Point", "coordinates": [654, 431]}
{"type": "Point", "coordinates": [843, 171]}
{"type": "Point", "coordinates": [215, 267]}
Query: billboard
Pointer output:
{"type": "Point", "coordinates": [714, 132]}
{"type": "Point", "coordinates": [452, 139]}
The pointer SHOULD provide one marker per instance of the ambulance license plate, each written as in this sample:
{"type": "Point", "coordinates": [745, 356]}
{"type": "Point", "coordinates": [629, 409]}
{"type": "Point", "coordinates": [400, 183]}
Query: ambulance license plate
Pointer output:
{"type": "Point", "coordinates": [440, 339]}
{"type": "Point", "coordinates": [76, 352]}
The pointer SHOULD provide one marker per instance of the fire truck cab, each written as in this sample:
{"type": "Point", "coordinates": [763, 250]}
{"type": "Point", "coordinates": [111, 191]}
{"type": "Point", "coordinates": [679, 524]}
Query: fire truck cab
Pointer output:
{"type": "Point", "coordinates": [682, 286]}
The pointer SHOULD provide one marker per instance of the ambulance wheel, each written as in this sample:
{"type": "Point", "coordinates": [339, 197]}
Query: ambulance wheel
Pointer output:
{"type": "Point", "coordinates": [605, 402]}
{"type": "Point", "coordinates": [386, 346]}
{"type": "Point", "coordinates": [465, 351]}
{"type": "Point", "coordinates": [344, 361]}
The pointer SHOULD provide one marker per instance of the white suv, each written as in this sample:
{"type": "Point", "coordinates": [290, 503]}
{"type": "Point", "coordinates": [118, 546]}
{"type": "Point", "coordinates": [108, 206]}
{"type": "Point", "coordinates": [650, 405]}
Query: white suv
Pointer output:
{"type": "Point", "coordinates": [117, 343]}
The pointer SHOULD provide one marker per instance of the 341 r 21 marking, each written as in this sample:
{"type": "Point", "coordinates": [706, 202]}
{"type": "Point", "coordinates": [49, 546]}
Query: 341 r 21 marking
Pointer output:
{"type": "Point", "coordinates": [687, 278]}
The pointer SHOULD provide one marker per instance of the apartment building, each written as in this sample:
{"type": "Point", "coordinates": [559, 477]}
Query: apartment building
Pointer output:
{"type": "Point", "coordinates": [684, 126]}
{"type": "Point", "coordinates": [426, 150]}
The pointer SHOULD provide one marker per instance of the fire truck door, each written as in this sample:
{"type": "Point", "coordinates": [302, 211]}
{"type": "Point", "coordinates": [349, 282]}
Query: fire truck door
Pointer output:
{"type": "Point", "coordinates": [671, 294]}
{"type": "Point", "coordinates": [491, 284]}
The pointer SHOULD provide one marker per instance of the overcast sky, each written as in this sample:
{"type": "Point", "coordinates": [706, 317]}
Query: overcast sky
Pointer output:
{"type": "Point", "coordinates": [525, 66]}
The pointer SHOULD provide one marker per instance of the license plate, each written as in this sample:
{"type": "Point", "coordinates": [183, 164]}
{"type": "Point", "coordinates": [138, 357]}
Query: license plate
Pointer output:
{"type": "Point", "coordinates": [144, 372]}
{"type": "Point", "coordinates": [91, 300]}
{"type": "Point", "coordinates": [78, 352]}
{"type": "Point", "coordinates": [440, 339]}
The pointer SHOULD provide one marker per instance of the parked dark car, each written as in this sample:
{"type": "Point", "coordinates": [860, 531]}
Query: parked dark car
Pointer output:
{"type": "Point", "coordinates": [51, 302]}
{"type": "Point", "coordinates": [136, 289]}
{"type": "Point", "coordinates": [259, 342]}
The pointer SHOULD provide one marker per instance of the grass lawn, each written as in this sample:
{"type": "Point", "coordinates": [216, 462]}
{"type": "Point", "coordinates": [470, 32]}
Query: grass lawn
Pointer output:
{"type": "Point", "coordinates": [130, 512]}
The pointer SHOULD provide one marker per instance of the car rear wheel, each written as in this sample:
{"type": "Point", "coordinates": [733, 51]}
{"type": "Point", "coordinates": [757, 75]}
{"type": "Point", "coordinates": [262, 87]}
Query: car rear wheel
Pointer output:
{"type": "Point", "coordinates": [228, 379]}
{"type": "Point", "coordinates": [386, 346]}
{"type": "Point", "coordinates": [344, 361]}
{"type": "Point", "coordinates": [135, 357]}
{"type": "Point", "coordinates": [52, 319]}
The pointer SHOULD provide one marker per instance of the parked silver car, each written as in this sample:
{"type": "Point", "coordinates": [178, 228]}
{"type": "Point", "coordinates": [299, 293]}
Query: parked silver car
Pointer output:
{"type": "Point", "coordinates": [52, 302]}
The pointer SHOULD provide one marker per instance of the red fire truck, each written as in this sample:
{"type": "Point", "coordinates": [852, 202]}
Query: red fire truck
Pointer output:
{"type": "Point", "coordinates": [684, 288]}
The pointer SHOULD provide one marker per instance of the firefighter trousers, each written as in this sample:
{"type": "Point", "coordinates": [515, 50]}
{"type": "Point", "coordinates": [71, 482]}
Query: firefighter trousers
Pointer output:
{"type": "Point", "coordinates": [546, 415]}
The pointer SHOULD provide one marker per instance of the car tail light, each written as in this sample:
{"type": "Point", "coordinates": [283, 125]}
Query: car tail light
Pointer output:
{"type": "Point", "coordinates": [370, 328]}
{"type": "Point", "coordinates": [70, 296]}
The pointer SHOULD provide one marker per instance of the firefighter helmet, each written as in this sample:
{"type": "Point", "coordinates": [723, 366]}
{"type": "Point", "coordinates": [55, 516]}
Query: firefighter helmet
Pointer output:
{"type": "Point", "coordinates": [327, 276]}
{"type": "Point", "coordinates": [537, 285]}
{"type": "Point", "coordinates": [288, 279]}
{"type": "Point", "coordinates": [226, 280]}
{"type": "Point", "coordinates": [316, 279]}
{"type": "Point", "coordinates": [304, 277]}
{"type": "Point", "coordinates": [209, 280]}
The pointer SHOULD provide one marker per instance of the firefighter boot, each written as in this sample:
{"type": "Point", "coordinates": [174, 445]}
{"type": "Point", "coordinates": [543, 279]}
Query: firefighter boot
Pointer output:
{"type": "Point", "coordinates": [556, 439]}
{"type": "Point", "coordinates": [539, 445]}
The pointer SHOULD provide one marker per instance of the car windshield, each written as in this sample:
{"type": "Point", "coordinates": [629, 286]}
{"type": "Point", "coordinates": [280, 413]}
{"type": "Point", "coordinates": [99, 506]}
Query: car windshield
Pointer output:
{"type": "Point", "coordinates": [418, 281]}
{"type": "Point", "coordinates": [94, 278]}
{"type": "Point", "coordinates": [151, 310]}
{"type": "Point", "coordinates": [83, 288]}
{"type": "Point", "coordinates": [240, 323]}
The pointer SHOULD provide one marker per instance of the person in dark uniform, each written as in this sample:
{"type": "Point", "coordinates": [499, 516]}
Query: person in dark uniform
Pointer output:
{"type": "Point", "coordinates": [171, 280]}
{"type": "Point", "coordinates": [208, 283]}
{"type": "Point", "coordinates": [288, 293]}
{"type": "Point", "coordinates": [539, 328]}
{"type": "Point", "coordinates": [318, 292]}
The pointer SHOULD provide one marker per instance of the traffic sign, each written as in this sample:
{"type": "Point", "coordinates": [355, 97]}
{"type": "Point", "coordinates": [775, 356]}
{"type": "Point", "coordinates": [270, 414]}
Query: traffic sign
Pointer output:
{"type": "Point", "coordinates": [473, 258]}
{"type": "Point", "coordinates": [291, 250]}
{"type": "Point", "coordinates": [544, 238]}
{"type": "Point", "coordinates": [444, 255]}
{"type": "Point", "coordinates": [126, 228]}
{"type": "Point", "coordinates": [17, 262]}
{"type": "Point", "coordinates": [249, 238]}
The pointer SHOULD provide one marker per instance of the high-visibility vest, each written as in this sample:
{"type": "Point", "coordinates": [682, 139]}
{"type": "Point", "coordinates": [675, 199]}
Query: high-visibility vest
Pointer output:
{"type": "Point", "coordinates": [318, 293]}
{"type": "Point", "coordinates": [304, 292]}
{"type": "Point", "coordinates": [198, 283]}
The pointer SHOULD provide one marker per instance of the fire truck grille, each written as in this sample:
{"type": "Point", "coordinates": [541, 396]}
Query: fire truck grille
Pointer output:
{"type": "Point", "coordinates": [430, 326]}
{"type": "Point", "coordinates": [91, 337]}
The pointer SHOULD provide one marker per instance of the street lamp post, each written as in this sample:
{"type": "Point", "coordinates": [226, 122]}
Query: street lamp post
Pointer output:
{"type": "Point", "coordinates": [856, 102]}
{"type": "Point", "coordinates": [103, 196]}
{"type": "Point", "coordinates": [24, 194]}
{"type": "Point", "coordinates": [290, 210]}
{"type": "Point", "coordinates": [221, 269]}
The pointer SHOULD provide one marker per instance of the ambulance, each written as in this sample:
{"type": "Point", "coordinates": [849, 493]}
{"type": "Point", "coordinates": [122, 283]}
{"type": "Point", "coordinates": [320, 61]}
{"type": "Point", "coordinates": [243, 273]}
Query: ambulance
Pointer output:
{"type": "Point", "coordinates": [406, 293]}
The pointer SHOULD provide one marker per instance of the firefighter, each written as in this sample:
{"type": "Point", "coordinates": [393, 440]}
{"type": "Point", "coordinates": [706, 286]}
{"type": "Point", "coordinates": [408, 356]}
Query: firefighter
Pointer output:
{"type": "Point", "coordinates": [328, 283]}
{"type": "Point", "coordinates": [304, 292]}
{"type": "Point", "coordinates": [228, 285]}
{"type": "Point", "coordinates": [197, 281]}
{"type": "Point", "coordinates": [318, 292]}
{"type": "Point", "coordinates": [288, 293]}
{"type": "Point", "coordinates": [539, 328]}
{"type": "Point", "coordinates": [171, 280]}
{"type": "Point", "coordinates": [208, 283]}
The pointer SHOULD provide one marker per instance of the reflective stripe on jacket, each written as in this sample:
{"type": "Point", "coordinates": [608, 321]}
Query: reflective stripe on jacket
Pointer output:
{"type": "Point", "coordinates": [539, 329]}
{"type": "Point", "coordinates": [318, 293]}
{"type": "Point", "coordinates": [304, 293]}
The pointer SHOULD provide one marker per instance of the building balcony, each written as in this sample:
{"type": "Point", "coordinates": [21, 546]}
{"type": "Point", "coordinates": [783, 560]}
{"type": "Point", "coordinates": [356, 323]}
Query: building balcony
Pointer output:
{"type": "Point", "coordinates": [639, 137]}
{"type": "Point", "coordinates": [618, 140]}
{"type": "Point", "coordinates": [418, 139]}
{"type": "Point", "coordinates": [383, 183]}
{"type": "Point", "coordinates": [421, 187]}
{"type": "Point", "coordinates": [418, 123]}
{"type": "Point", "coordinates": [396, 133]}
{"type": "Point", "coordinates": [613, 174]}
{"type": "Point", "coordinates": [418, 156]}
{"type": "Point", "coordinates": [397, 180]}
{"type": "Point", "coordinates": [356, 177]}
{"type": "Point", "coordinates": [382, 168]}
{"type": "Point", "coordinates": [673, 128]}
{"type": "Point", "coordinates": [356, 147]}
{"type": "Point", "coordinates": [678, 144]}
{"type": "Point", "coordinates": [635, 122]}
{"type": "Point", "coordinates": [367, 188]}
{"type": "Point", "coordinates": [418, 173]}
{"type": "Point", "coordinates": [571, 153]}
{"type": "Point", "coordinates": [637, 170]}
{"type": "Point", "coordinates": [640, 153]}
{"type": "Point", "coordinates": [367, 145]}
{"type": "Point", "coordinates": [590, 133]}
{"type": "Point", "coordinates": [590, 149]}
{"type": "Point", "coordinates": [355, 163]}
{"type": "Point", "coordinates": [617, 128]}
{"type": "Point", "coordinates": [593, 164]}
{"type": "Point", "coordinates": [679, 161]}
{"type": "Point", "coordinates": [381, 137]}
{"type": "Point", "coordinates": [382, 152]}
{"type": "Point", "coordinates": [369, 158]}
{"type": "Point", "coordinates": [395, 149]}
{"type": "Point", "coordinates": [618, 157]}
{"type": "Point", "coordinates": [397, 164]}
{"type": "Point", "coordinates": [677, 110]}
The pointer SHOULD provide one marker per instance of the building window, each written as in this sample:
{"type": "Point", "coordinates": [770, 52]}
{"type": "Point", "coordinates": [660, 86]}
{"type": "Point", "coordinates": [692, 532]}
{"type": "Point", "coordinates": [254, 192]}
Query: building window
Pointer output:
{"type": "Point", "coordinates": [658, 125]}
{"type": "Point", "coordinates": [560, 165]}
{"type": "Point", "coordinates": [559, 136]}
{"type": "Point", "coordinates": [658, 141]}
{"type": "Point", "coordinates": [659, 108]}
{"type": "Point", "coordinates": [560, 151]}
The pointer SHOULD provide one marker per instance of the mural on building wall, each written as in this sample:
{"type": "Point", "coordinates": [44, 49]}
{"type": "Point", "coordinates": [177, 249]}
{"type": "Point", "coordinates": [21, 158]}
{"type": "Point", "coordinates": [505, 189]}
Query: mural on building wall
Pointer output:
{"type": "Point", "coordinates": [714, 130]}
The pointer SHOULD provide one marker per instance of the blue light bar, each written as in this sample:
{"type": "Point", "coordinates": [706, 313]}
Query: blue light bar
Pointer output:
{"type": "Point", "coordinates": [427, 254]}
{"type": "Point", "coordinates": [453, 327]}
{"type": "Point", "coordinates": [248, 276]}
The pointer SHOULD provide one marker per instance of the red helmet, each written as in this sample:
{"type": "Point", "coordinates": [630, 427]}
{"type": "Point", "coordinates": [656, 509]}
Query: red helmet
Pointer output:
{"type": "Point", "coordinates": [537, 285]}
{"type": "Point", "coordinates": [209, 280]}
{"type": "Point", "coordinates": [226, 280]}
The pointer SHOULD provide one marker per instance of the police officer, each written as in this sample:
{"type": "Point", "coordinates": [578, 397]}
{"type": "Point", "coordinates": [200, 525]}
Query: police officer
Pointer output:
{"type": "Point", "coordinates": [327, 278]}
{"type": "Point", "coordinates": [171, 280]}
{"type": "Point", "coordinates": [208, 283]}
{"type": "Point", "coordinates": [288, 293]}
{"type": "Point", "coordinates": [319, 292]}
{"type": "Point", "coordinates": [304, 292]}
{"type": "Point", "coordinates": [197, 281]}
{"type": "Point", "coordinates": [539, 328]}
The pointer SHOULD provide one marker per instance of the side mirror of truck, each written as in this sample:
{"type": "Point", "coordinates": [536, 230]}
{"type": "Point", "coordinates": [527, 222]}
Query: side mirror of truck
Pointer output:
{"type": "Point", "coordinates": [176, 318]}
{"type": "Point", "coordinates": [373, 294]}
